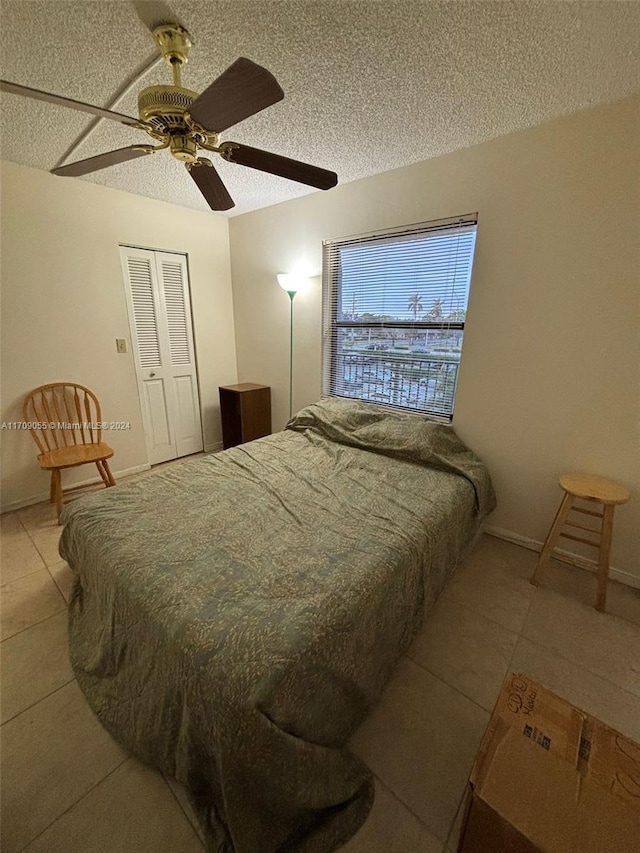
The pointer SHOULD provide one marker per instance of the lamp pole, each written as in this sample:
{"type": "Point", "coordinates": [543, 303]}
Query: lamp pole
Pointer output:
{"type": "Point", "coordinates": [292, 284]}
{"type": "Point", "coordinates": [291, 293]}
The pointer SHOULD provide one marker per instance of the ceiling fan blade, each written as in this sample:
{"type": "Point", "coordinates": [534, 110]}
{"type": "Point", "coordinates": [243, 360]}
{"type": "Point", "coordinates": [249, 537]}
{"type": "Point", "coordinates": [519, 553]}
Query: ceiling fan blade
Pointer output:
{"type": "Point", "coordinates": [101, 161]}
{"type": "Point", "coordinates": [36, 94]}
{"type": "Point", "coordinates": [265, 161]}
{"type": "Point", "coordinates": [210, 185]}
{"type": "Point", "coordinates": [239, 92]}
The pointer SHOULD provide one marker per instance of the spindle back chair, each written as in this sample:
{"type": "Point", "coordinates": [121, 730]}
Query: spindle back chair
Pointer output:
{"type": "Point", "coordinates": [65, 421]}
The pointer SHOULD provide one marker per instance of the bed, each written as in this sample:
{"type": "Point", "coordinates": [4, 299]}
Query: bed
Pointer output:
{"type": "Point", "coordinates": [234, 618]}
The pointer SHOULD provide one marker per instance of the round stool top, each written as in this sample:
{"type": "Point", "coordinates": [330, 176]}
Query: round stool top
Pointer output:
{"type": "Point", "coordinates": [594, 488]}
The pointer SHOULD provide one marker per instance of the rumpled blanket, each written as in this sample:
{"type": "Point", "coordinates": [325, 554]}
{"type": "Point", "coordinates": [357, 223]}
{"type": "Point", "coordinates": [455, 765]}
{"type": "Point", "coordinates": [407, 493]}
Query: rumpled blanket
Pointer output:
{"type": "Point", "coordinates": [235, 617]}
{"type": "Point", "coordinates": [397, 435]}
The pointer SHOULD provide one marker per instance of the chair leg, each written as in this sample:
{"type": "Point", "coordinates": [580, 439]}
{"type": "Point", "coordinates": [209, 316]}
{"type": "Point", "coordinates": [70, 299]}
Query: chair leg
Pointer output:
{"type": "Point", "coordinates": [603, 559]}
{"type": "Point", "coordinates": [107, 470]}
{"type": "Point", "coordinates": [56, 490]}
{"type": "Point", "coordinates": [552, 537]}
{"type": "Point", "coordinates": [52, 496]}
{"type": "Point", "coordinates": [102, 473]}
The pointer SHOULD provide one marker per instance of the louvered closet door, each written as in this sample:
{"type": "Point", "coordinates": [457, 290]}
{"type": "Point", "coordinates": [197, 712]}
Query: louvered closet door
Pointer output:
{"type": "Point", "coordinates": [160, 319]}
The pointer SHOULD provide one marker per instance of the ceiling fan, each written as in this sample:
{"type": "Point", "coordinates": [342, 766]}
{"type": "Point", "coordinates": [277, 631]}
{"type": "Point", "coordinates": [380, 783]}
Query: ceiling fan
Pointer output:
{"type": "Point", "coordinates": [185, 122]}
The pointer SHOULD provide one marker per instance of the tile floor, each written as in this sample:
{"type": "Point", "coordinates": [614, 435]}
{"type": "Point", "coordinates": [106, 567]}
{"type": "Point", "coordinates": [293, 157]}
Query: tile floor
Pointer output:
{"type": "Point", "coordinates": [68, 787]}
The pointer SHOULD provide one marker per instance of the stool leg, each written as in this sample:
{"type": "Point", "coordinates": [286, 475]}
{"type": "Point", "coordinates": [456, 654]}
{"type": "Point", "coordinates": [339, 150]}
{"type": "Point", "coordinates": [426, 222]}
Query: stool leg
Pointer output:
{"type": "Point", "coordinates": [552, 537]}
{"type": "Point", "coordinates": [603, 561]}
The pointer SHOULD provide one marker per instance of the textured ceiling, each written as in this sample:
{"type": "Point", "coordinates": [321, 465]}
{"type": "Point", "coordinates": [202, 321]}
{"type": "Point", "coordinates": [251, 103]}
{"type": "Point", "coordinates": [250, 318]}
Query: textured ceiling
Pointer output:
{"type": "Point", "coordinates": [369, 86]}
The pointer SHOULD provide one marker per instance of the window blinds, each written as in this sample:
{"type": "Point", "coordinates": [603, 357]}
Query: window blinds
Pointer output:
{"type": "Point", "coordinates": [394, 307]}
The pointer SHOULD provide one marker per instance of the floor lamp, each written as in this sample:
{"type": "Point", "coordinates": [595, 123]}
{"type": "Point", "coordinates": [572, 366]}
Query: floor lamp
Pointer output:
{"type": "Point", "coordinates": [292, 284]}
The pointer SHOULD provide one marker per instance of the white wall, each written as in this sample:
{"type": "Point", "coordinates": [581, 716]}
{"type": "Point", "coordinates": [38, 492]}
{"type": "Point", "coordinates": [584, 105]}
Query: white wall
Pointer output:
{"type": "Point", "coordinates": [63, 306]}
{"type": "Point", "coordinates": [549, 375]}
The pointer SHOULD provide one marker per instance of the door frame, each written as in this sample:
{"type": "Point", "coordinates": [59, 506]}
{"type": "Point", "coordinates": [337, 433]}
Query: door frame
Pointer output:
{"type": "Point", "coordinates": [133, 334]}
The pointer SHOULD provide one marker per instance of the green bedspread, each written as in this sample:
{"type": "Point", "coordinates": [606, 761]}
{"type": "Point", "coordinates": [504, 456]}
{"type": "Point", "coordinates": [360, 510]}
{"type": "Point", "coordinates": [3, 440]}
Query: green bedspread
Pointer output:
{"type": "Point", "coordinates": [236, 617]}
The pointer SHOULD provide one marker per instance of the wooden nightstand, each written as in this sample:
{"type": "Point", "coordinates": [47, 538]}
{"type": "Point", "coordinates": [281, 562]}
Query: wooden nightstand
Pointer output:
{"type": "Point", "coordinates": [245, 411]}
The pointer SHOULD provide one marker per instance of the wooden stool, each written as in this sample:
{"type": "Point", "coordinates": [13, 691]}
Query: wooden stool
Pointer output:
{"type": "Point", "coordinates": [588, 488]}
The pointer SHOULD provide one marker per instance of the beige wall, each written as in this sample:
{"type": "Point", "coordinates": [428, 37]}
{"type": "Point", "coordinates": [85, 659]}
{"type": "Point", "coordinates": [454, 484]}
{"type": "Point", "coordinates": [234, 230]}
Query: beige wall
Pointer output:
{"type": "Point", "coordinates": [549, 374]}
{"type": "Point", "coordinates": [63, 305]}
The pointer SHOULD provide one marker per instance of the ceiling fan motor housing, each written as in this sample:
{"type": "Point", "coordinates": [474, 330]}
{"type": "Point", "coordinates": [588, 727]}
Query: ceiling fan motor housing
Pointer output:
{"type": "Point", "coordinates": [163, 107]}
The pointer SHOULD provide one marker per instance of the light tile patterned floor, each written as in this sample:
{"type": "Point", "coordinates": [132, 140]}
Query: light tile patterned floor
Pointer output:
{"type": "Point", "coordinates": [69, 788]}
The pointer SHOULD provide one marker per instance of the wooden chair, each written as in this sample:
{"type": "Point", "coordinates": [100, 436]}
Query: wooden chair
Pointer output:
{"type": "Point", "coordinates": [590, 489]}
{"type": "Point", "coordinates": [65, 422]}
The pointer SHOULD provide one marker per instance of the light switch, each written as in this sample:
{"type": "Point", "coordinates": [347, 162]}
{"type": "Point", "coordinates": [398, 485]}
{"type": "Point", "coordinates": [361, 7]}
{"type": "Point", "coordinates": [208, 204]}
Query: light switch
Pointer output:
{"type": "Point", "coordinates": [121, 344]}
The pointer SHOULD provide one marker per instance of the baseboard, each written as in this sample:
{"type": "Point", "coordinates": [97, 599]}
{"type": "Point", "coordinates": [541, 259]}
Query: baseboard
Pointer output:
{"type": "Point", "coordinates": [564, 556]}
{"type": "Point", "coordinates": [92, 481]}
{"type": "Point", "coordinates": [213, 448]}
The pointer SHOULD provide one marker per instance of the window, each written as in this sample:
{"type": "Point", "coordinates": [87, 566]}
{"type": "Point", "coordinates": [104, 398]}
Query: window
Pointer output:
{"type": "Point", "coordinates": [394, 308]}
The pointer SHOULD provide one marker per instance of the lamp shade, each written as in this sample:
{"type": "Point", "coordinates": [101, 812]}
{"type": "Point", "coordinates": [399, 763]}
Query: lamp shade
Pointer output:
{"type": "Point", "coordinates": [290, 282]}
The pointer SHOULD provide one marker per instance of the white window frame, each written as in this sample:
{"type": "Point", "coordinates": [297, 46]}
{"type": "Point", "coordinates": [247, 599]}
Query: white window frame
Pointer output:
{"type": "Point", "coordinates": [334, 359]}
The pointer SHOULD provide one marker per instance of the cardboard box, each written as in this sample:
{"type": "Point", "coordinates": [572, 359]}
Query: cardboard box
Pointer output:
{"type": "Point", "coordinates": [549, 777]}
